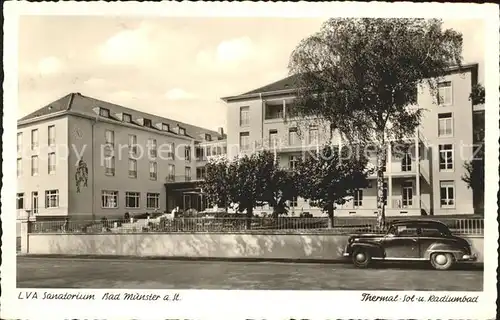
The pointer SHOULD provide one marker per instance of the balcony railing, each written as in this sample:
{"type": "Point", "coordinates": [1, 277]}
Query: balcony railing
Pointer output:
{"type": "Point", "coordinates": [180, 178]}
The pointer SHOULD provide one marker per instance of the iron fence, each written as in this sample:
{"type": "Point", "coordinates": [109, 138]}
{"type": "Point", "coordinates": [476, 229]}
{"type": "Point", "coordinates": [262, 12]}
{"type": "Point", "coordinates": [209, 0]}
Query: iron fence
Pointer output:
{"type": "Point", "coordinates": [235, 224]}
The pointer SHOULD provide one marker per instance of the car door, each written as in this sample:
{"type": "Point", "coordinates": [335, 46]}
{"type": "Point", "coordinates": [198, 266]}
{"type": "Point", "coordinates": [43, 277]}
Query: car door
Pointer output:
{"type": "Point", "coordinates": [402, 243]}
{"type": "Point", "coordinates": [429, 235]}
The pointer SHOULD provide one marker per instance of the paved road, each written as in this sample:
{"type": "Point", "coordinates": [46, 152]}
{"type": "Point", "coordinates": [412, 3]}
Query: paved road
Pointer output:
{"type": "Point", "coordinates": [35, 272]}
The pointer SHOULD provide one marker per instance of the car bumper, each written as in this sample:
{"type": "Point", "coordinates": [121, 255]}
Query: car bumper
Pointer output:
{"type": "Point", "coordinates": [468, 257]}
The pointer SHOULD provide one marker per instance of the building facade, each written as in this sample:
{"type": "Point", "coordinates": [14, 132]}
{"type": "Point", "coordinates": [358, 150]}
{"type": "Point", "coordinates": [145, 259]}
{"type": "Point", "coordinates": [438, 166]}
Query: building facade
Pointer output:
{"type": "Point", "coordinates": [425, 180]}
{"type": "Point", "coordinates": [85, 158]}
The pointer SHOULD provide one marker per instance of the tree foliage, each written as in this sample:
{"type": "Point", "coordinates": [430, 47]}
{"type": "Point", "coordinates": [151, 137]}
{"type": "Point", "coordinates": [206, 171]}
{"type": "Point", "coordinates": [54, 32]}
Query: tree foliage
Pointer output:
{"type": "Point", "coordinates": [254, 181]}
{"type": "Point", "coordinates": [474, 169]}
{"type": "Point", "coordinates": [216, 183]}
{"type": "Point", "coordinates": [362, 76]}
{"type": "Point", "coordinates": [332, 176]}
{"type": "Point", "coordinates": [477, 95]}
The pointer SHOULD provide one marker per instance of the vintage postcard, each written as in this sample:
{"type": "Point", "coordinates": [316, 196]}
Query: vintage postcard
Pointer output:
{"type": "Point", "coordinates": [250, 160]}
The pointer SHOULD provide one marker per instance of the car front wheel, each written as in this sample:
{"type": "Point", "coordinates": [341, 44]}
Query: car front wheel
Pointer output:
{"type": "Point", "coordinates": [442, 261]}
{"type": "Point", "coordinates": [361, 258]}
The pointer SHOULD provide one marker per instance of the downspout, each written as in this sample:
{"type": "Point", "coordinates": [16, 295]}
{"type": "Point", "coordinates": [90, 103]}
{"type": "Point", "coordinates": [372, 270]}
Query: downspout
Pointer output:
{"type": "Point", "coordinates": [263, 110]}
{"type": "Point", "coordinates": [93, 168]}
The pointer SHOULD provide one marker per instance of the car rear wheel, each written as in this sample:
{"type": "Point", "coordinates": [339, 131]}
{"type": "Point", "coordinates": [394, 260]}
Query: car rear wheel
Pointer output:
{"type": "Point", "coordinates": [442, 261]}
{"type": "Point", "coordinates": [361, 258]}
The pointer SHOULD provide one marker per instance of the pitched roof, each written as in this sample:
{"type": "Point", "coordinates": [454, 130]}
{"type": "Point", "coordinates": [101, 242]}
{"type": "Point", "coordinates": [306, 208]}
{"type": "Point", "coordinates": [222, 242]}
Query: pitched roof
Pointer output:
{"type": "Point", "coordinates": [85, 105]}
{"type": "Point", "coordinates": [291, 82]}
{"type": "Point", "coordinates": [287, 83]}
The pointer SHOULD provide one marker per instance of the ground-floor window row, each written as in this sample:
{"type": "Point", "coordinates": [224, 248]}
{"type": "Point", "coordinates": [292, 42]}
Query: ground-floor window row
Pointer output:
{"type": "Point", "coordinates": [51, 200]}
{"type": "Point", "coordinates": [446, 196]}
{"type": "Point", "coordinates": [110, 200]}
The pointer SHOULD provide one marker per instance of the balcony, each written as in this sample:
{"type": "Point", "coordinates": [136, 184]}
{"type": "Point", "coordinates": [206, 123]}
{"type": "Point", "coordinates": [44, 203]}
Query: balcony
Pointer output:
{"type": "Point", "coordinates": [274, 111]}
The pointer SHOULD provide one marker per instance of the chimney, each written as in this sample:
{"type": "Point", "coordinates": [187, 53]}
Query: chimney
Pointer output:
{"type": "Point", "coordinates": [221, 131]}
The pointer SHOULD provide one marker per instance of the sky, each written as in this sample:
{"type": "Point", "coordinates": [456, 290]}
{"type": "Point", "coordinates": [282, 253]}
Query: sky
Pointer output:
{"type": "Point", "coordinates": [178, 68]}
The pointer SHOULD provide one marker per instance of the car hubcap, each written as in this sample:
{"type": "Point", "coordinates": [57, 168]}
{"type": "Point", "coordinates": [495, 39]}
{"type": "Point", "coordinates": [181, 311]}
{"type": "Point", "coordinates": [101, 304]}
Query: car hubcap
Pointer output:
{"type": "Point", "coordinates": [441, 259]}
{"type": "Point", "coordinates": [360, 257]}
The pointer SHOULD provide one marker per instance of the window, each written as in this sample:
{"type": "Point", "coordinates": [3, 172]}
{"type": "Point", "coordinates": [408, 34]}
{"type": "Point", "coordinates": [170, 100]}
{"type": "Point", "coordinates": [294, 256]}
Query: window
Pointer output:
{"type": "Point", "coordinates": [171, 172]}
{"type": "Point", "coordinates": [20, 201]}
{"type": "Point", "coordinates": [187, 153]}
{"type": "Point", "coordinates": [244, 141]}
{"type": "Point", "coordinates": [358, 198]}
{"type": "Point", "coordinates": [200, 173]}
{"type": "Point", "coordinates": [19, 167]}
{"type": "Point", "coordinates": [153, 200]}
{"type": "Point", "coordinates": [19, 141]}
{"type": "Point", "coordinates": [274, 111]}
{"type": "Point", "coordinates": [109, 165]}
{"type": "Point", "coordinates": [171, 151]}
{"type": "Point", "coordinates": [445, 93]}
{"type": "Point", "coordinates": [147, 123]}
{"type": "Point", "coordinates": [199, 151]}
{"type": "Point", "coordinates": [52, 163]}
{"type": "Point", "coordinates": [187, 173]}
{"type": "Point", "coordinates": [132, 168]}
{"type": "Point", "coordinates": [51, 198]}
{"type": "Point", "coordinates": [127, 118]}
{"type": "Point", "coordinates": [208, 137]}
{"type": "Point", "coordinates": [34, 139]}
{"type": "Point", "coordinates": [132, 143]}
{"type": "Point", "coordinates": [407, 191]}
{"type": "Point", "coordinates": [109, 199]}
{"type": "Point", "coordinates": [445, 124]}
{"type": "Point", "coordinates": [153, 171]}
{"type": "Point", "coordinates": [182, 131]}
{"type": "Point", "coordinates": [132, 200]}
{"type": "Point", "coordinates": [34, 202]}
{"type": "Point", "coordinates": [103, 112]}
{"type": "Point", "coordinates": [51, 137]}
{"type": "Point", "coordinates": [273, 138]}
{"type": "Point", "coordinates": [292, 136]}
{"type": "Point", "coordinates": [110, 137]}
{"type": "Point", "coordinates": [445, 157]}
{"type": "Point", "coordinates": [244, 116]}
{"type": "Point", "coordinates": [293, 202]}
{"type": "Point", "coordinates": [165, 127]}
{"type": "Point", "coordinates": [34, 165]}
{"type": "Point", "coordinates": [406, 162]}
{"type": "Point", "coordinates": [447, 194]}
{"type": "Point", "coordinates": [293, 161]}
{"type": "Point", "coordinates": [313, 135]}
{"type": "Point", "coordinates": [431, 232]}
{"type": "Point", "coordinates": [406, 231]}
{"type": "Point", "coordinates": [153, 149]}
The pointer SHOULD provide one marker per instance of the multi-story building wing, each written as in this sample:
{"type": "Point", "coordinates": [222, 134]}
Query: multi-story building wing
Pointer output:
{"type": "Point", "coordinates": [80, 157]}
{"type": "Point", "coordinates": [427, 179]}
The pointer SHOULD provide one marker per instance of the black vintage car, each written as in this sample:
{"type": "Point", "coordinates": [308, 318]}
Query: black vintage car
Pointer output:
{"type": "Point", "coordinates": [410, 240]}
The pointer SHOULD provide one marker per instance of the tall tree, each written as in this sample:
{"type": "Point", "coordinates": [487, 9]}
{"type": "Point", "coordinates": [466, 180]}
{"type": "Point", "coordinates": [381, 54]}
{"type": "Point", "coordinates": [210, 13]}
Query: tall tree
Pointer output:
{"type": "Point", "coordinates": [250, 176]}
{"type": "Point", "coordinates": [474, 169]}
{"type": "Point", "coordinates": [361, 76]}
{"type": "Point", "coordinates": [215, 186]}
{"type": "Point", "coordinates": [331, 177]}
{"type": "Point", "coordinates": [280, 188]}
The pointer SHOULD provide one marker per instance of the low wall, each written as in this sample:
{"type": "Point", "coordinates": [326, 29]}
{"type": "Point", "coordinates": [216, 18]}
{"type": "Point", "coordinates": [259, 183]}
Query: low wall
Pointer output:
{"type": "Point", "coordinates": [199, 245]}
